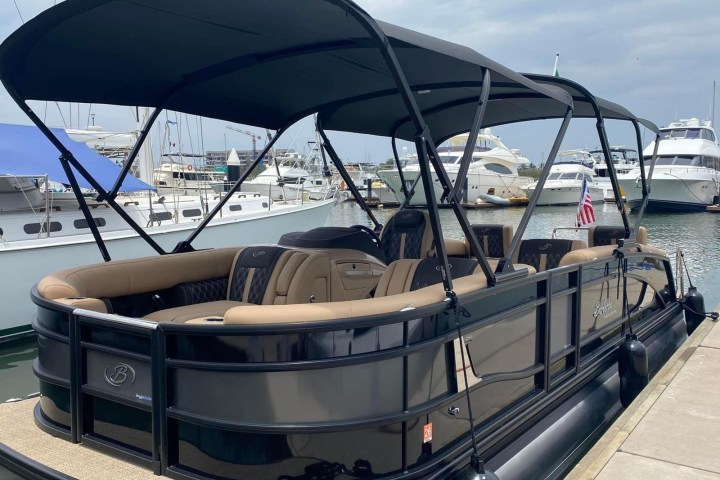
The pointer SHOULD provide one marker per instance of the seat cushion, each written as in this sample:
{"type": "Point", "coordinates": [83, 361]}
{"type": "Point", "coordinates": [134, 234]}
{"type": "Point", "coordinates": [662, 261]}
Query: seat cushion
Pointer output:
{"type": "Point", "coordinates": [188, 312]}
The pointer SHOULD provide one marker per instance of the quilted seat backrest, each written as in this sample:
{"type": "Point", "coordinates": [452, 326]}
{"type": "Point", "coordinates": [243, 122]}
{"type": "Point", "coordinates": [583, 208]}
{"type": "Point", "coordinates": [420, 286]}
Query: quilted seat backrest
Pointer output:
{"type": "Point", "coordinates": [494, 239]}
{"type": "Point", "coordinates": [546, 254]}
{"type": "Point", "coordinates": [270, 275]}
{"type": "Point", "coordinates": [407, 235]}
{"type": "Point", "coordinates": [609, 235]}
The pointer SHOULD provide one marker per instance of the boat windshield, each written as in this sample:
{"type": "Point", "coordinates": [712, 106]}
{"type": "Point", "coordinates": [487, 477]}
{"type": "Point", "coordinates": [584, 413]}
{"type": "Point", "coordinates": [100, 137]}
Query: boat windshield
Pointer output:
{"type": "Point", "coordinates": [554, 176]}
{"type": "Point", "coordinates": [568, 176]}
{"type": "Point", "coordinates": [449, 159]}
{"type": "Point", "coordinates": [701, 133]}
{"type": "Point", "coordinates": [683, 160]}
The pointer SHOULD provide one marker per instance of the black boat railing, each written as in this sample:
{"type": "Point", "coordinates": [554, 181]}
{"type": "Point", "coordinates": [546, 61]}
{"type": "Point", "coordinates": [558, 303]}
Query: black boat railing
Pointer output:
{"type": "Point", "coordinates": [146, 371]}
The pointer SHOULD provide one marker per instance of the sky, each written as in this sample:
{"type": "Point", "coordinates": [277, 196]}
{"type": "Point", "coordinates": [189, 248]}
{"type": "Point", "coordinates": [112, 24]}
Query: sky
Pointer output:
{"type": "Point", "coordinates": [658, 58]}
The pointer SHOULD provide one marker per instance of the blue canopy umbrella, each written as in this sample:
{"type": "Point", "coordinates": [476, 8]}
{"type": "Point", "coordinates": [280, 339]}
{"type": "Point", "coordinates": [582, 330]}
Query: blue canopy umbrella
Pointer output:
{"type": "Point", "coordinates": [24, 150]}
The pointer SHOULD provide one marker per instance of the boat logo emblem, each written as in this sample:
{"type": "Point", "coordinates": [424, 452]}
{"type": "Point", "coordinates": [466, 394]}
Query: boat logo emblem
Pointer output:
{"type": "Point", "coordinates": [119, 374]}
{"type": "Point", "coordinates": [545, 247]}
{"type": "Point", "coordinates": [449, 266]}
{"type": "Point", "coordinates": [258, 254]}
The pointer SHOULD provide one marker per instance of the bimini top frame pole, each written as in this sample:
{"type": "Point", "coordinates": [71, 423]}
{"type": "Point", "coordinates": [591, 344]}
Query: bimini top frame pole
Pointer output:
{"type": "Point", "coordinates": [645, 181]}
{"type": "Point", "coordinates": [505, 264]}
{"type": "Point", "coordinates": [589, 106]}
{"type": "Point", "coordinates": [67, 159]}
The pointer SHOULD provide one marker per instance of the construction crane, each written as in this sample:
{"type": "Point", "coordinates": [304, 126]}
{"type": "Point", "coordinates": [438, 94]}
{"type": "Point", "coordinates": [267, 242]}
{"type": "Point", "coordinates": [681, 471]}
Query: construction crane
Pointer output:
{"type": "Point", "coordinates": [254, 137]}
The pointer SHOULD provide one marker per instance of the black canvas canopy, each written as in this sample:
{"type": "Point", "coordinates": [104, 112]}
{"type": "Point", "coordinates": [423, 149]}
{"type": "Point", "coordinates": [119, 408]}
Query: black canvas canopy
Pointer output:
{"type": "Point", "coordinates": [262, 63]}
{"type": "Point", "coordinates": [582, 101]}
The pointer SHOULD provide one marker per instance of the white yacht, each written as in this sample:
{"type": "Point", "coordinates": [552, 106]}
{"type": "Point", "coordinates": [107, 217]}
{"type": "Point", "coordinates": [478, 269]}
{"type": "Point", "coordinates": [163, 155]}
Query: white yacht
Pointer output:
{"type": "Point", "coordinates": [687, 171]}
{"type": "Point", "coordinates": [43, 230]}
{"type": "Point", "coordinates": [623, 159]}
{"type": "Point", "coordinates": [493, 166]}
{"type": "Point", "coordinates": [285, 179]}
{"type": "Point", "coordinates": [564, 185]}
{"type": "Point", "coordinates": [184, 178]}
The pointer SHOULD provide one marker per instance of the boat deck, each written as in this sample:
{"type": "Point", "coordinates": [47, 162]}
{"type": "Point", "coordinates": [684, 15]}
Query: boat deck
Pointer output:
{"type": "Point", "coordinates": [671, 429]}
{"type": "Point", "coordinates": [19, 433]}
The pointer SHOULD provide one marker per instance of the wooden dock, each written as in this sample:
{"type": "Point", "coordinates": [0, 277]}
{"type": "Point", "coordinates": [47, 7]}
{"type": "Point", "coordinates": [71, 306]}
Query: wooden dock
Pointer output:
{"type": "Point", "coordinates": [672, 429]}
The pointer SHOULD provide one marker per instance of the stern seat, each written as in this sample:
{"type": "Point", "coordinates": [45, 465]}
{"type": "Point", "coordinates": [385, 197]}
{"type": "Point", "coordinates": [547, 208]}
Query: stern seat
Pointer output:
{"type": "Point", "coordinates": [264, 275]}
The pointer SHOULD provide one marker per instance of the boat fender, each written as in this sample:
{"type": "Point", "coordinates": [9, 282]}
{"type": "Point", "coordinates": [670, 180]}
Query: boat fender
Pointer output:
{"type": "Point", "coordinates": [694, 305]}
{"type": "Point", "coordinates": [633, 368]}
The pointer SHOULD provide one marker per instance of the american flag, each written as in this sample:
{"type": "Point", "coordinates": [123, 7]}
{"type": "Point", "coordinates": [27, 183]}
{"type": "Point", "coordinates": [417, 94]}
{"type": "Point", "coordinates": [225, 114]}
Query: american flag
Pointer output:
{"type": "Point", "coordinates": [585, 212]}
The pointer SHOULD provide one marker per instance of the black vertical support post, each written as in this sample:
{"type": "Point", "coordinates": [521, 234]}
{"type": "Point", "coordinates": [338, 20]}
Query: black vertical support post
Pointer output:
{"type": "Point", "coordinates": [406, 395]}
{"type": "Point", "coordinates": [611, 170]}
{"type": "Point", "coordinates": [76, 404]}
{"type": "Point", "coordinates": [185, 244]}
{"type": "Point", "coordinates": [472, 138]}
{"type": "Point", "coordinates": [133, 154]}
{"type": "Point", "coordinates": [576, 317]}
{"type": "Point", "coordinates": [368, 183]}
{"type": "Point", "coordinates": [646, 182]}
{"type": "Point", "coordinates": [345, 175]}
{"type": "Point", "coordinates": [159, 401]}
{"type": "Point", "coordinates": [403, 188]}
{"type": "Point", "coordinates": [547, 333]}
{"type": "Point", "coordinates": [505, 263]}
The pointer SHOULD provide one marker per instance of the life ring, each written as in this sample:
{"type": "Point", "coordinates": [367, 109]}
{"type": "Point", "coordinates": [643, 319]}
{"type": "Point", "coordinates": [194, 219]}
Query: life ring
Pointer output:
{"type": "Point", "coordinates": [189, 167]}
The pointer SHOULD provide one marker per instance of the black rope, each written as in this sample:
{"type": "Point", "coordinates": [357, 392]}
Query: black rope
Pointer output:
{"type": "Point", "coordinates": [475, 457]}
{"type": "Point", "coordinates": [687, 272]}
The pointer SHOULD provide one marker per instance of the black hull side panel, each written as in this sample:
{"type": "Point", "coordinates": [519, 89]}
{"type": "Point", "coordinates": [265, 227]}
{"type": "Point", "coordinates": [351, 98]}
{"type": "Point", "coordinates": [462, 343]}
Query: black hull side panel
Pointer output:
{"type": "Point", "coordinates": [560, 439]}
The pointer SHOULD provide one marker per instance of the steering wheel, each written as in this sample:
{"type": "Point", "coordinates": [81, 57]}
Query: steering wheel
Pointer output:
{"type": "Point", "coordinates": [370, 232]}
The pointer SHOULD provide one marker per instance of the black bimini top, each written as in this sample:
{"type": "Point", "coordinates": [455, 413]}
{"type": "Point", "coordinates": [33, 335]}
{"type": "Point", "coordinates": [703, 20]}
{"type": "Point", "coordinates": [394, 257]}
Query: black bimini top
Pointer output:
{"type": "Point", "coordinates": [266, 63]}
{"type": "Point", "coordinates": [583, 101]}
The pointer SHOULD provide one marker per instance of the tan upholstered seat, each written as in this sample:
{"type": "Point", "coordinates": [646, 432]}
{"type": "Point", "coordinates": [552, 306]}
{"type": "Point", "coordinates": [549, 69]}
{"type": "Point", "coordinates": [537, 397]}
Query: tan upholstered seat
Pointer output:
{"type": "Point", "coordinates": [608, 235]}
{"type": "Point", "coordinates": [545, 254]}
{"type": "Point", "coordinates": [494, 239]}
{"type": "Point", "coordinates": [257, 275]}
{"type": "Point", "coordinates": [404, 276]}
{"type": "Point", "coordinates": [265, 275]}
{"type": "Point", "coordinates": [407, 234]}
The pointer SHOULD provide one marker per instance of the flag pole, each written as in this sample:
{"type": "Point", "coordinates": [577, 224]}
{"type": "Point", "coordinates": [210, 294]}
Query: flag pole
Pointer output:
{"type": "Point", "coordinates": [555, 69]}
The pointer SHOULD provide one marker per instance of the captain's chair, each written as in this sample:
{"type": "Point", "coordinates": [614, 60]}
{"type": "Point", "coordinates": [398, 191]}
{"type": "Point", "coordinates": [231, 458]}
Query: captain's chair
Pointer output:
{"type": "Point", "coordinates": [609, 235]}
{"type": "Point", "coordinates": [407, 234]}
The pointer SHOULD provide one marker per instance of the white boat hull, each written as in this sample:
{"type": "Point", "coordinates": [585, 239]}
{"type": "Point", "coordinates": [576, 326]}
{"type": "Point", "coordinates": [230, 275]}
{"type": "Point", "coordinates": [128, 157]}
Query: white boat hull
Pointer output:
{"type": "Point", "coordinates": [673, 190]}
{"type": "Point", "coordinates": [564, 195]}
{"type": "Point", "coordinates": [477, 183]}
{"type": "Point", "coordinates": [31, 260]}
